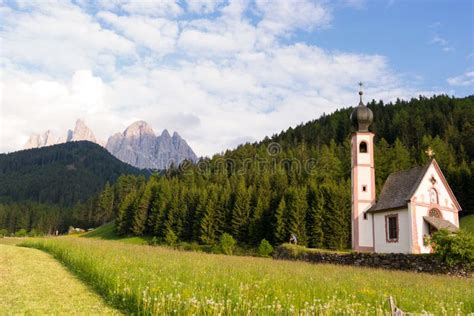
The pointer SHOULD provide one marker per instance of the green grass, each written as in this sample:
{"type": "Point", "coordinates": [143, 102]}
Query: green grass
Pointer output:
{"type": "Point", "coordinates": [11, 240]}
{"type": "Point", "coordinates": [467, 223]}
{"type": "Point", "coordinates": [33, 283]}
{"type": "Point", "coordinates": [154, 280]}
{"type": "Point", "coordinates": [108, 232]}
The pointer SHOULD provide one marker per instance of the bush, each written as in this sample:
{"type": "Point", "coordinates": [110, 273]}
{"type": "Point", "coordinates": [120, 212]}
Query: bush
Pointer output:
{"type": "Point", "coordinates": [171, 237]}
{"type": "Point", "coordinates": [454, 249]}
{"type": "Point", "coordinates": [34, 233]}
{"type": "Point", "coordinates": [265, 248]}
{"type": "Point", "coordinates": [3, 233]}
{"type": "Point", "coordinates": [21, 233]}
{"type": "Point", "coordinates": [153, 241]}
{"type": "Point", "coordinates": [227, 243]}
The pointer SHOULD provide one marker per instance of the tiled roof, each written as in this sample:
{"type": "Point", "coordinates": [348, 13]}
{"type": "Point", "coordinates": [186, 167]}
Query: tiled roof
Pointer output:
{"type": "Point", "coordinates": [399, 188]}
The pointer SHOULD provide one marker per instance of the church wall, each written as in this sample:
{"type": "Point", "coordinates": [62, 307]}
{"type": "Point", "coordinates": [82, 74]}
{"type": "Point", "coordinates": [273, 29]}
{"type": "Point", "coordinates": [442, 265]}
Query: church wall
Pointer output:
{"type": "Point", "coordinates": [422, 193]}
{"type": "Point", "coordinates": [424, 200]}
{"type": "Point", "coordinates": [403, 245]}
{"type": "Point", "coordinates": [422, 228]}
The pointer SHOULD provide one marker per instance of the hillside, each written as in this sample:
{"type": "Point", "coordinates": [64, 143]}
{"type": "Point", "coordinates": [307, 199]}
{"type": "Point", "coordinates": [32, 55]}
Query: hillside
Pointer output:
{"type": "Point", "coordinates": [467, 223]}
{"type": "Point", "coordinates": [298, 182]}
{"type": "Point", "coordinates": [63, 174]}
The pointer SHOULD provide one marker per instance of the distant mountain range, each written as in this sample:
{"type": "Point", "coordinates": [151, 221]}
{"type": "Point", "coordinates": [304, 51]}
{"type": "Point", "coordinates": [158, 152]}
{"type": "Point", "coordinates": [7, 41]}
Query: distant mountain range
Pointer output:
{"type": "Point", "coordinates": [137, 145]}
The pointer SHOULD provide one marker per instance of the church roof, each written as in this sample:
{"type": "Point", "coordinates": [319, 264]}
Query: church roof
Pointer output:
{"type": "Point", "coordinates": [399, 188]}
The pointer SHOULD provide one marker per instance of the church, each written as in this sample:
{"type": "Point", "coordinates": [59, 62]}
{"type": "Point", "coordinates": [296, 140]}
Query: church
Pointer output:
{"type": "Point", "coordinates": [412, 204]}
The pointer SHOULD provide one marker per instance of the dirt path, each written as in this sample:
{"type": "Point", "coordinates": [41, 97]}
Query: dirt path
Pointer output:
{"type": "Point", "coordinates": [32, 282]}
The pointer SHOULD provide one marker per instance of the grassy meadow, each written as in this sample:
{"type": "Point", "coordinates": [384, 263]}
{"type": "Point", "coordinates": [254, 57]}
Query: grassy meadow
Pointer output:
{"type": "Point", "coordinates": [154, 280]}
{"type": "Point", "coordinates": [33, 283]}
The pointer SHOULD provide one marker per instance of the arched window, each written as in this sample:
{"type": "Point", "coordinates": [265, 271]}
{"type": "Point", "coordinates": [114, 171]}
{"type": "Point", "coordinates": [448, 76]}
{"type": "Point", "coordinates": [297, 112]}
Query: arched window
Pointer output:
{"type": "Point", "coordinates": [435, 213]}
{"type": "Point", "coordinates": [433, 196]}
{"type": "Point", "coordinates": [363, 147]}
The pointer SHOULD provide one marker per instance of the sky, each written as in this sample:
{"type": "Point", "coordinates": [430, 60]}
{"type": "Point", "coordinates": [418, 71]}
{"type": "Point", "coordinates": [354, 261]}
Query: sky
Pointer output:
{"type": "Point", "coordinates": [219, 72]}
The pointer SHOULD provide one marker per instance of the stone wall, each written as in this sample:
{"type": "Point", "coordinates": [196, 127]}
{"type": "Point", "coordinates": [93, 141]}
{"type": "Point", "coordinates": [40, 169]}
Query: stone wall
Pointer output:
{"type": "Point", "coordinates": [407, 262]}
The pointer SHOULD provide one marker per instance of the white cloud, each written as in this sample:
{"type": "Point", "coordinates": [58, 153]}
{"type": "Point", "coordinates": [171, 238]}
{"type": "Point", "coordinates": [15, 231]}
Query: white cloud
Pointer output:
{"type": "Point", "coordinates": [161, 8]}
{"type": "Point", "coordinates": [157, 34]}
{"type": "Point", "coordinates": [283, 17]}
{"type": "Point", "coordinates": [203, 6]}
{"type": "Point", "coordinates": [464, 80]}
{"type": "Point", "coordinates": [442, 43]}
{"type": "Point", "coordinates": [217, 81]}
{"type": "Point", "coordinates": [59, 39]}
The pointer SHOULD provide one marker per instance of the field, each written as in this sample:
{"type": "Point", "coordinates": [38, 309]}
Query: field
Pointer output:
{"type": "Point", "coordinates": [153, 280]}
{"type": "Point", "coordinates": [33, 283]}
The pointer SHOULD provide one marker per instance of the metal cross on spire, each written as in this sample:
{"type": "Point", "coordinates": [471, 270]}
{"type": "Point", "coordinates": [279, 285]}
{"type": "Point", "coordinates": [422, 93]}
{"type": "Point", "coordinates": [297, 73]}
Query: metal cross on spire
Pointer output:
{"type": "Point", "coordinates": [360, 93]}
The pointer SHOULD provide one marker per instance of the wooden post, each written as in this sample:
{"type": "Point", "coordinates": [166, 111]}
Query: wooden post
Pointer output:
{"type": "Point", "coordinates": [394, 310]}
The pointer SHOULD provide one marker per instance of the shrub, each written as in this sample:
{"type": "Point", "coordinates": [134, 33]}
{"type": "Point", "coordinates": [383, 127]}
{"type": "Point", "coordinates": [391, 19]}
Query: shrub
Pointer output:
{"type": "Point", "coordinates": [3, 233]}
{"type": "Point", "coordinates": [227, 243]}
{"type": "Point", "coordinates": [34, 233]}
{"type": "Point", "coordinates": [171, 238]}
{"type": "Point", "coordinates": [21, 233]}
{"type": "Point", "coordinates": [454, 249]}
{"type": "Point", "coordinates": [153, 241]}
{"type": "Point", "coordinates": [265, 248]}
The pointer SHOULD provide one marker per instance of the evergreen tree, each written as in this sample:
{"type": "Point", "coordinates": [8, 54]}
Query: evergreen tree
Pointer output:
{"type": "Point", "coordinates": [315, 217]}
{"type": "Point", "coordinates": [105, 205]}
{"type": "Point", "coordinates": [297, 208]}
{"type": "Point", "coordinates": [241, 212]}
{"type": "Point", "coordinates": [281, 230]}
{"type": "Point", "coordinates": [210, 222]}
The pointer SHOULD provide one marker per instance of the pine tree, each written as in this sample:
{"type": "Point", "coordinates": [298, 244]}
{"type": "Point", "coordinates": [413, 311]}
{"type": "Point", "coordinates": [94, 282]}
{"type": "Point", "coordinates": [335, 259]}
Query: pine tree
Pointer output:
{"type": "Point", "coordinates": [123, 218]}
{"type": "Point", "coordinates": [105, 204]}
{"type": "Point", "coordinates": [256, 228]}
{"type": "Point", "coordinates": [141, 213]}
{"type": "Point", "coordinates": [241, 212]}
{"type": "Point", "coordinates": [210, 225]}
{"type": "Point", "coordinates": [297, 208]}
{"type": "Point", "coordinates": [315, 217]}
{"type": "Point", "coordinates": [281, 231]}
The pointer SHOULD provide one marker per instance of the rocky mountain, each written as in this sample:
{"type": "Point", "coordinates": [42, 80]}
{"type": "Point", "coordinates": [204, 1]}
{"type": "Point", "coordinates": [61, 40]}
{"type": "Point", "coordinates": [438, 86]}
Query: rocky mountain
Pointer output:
{"type": "Point", "coordinates": [81, 132]}
{"type": "Point", "coordinates": [139, 146]}
{"type": "Point", "coordinates": [40, 140]}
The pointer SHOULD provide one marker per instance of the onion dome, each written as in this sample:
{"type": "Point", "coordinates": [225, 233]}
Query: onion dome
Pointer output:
{"type": "Point", "coordinates": [362, 116]}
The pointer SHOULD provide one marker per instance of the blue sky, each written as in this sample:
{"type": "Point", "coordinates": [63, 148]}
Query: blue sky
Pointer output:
{"type": "Point", "coordinates": [427, 41]}
{"type": "Point", "coordinates": [220, 72]}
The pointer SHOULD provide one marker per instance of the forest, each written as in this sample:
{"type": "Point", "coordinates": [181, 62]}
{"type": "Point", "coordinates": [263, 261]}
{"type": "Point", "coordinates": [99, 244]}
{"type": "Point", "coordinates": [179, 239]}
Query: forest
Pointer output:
{"type": "Point", "coordinates": [295, 182]}
{"type": "Point", "coordinates": [46, 189]}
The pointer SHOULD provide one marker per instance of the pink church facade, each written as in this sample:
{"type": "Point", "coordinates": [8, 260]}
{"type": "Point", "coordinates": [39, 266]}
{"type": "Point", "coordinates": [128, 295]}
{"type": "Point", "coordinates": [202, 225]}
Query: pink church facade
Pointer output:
{"type": "Point", "coordinates": [412, 204]}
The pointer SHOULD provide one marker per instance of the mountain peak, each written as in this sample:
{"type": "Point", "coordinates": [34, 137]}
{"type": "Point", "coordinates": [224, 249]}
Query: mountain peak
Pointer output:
{"type": "Point", "coordinates": [138, 128]}
{"type": "Point", "coordinates": [82, 132]}
{"type": "Point", "coordinates": [165, 133]}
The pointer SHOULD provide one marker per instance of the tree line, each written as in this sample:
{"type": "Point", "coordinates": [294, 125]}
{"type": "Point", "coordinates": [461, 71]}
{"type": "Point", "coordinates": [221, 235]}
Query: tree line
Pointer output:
{"type": "Point", "coordinates": [296, 182]}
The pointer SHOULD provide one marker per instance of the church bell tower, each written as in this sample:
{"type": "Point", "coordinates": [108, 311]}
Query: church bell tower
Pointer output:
{"type": "Point", "coordinates": [362, 177]}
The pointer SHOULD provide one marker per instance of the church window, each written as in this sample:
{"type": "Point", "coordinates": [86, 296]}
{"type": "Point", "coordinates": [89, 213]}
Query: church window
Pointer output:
{"type": "Point", "coordinates": [391, 228]}
{"type": "Point", "coordinates": [365, 215]}
{"type": "Point", "coordinates": [363, 147]}
{"type": "Point", "coordinates": [364, 188]}
{"type": "Point", "coordinates": [435, 213]}
{"type": "Point", "coordinates": [433, 196]}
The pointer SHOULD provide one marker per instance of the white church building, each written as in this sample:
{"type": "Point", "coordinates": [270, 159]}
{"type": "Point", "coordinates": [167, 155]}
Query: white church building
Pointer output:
{"type": "Point", "coordinates": [412, 204]}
